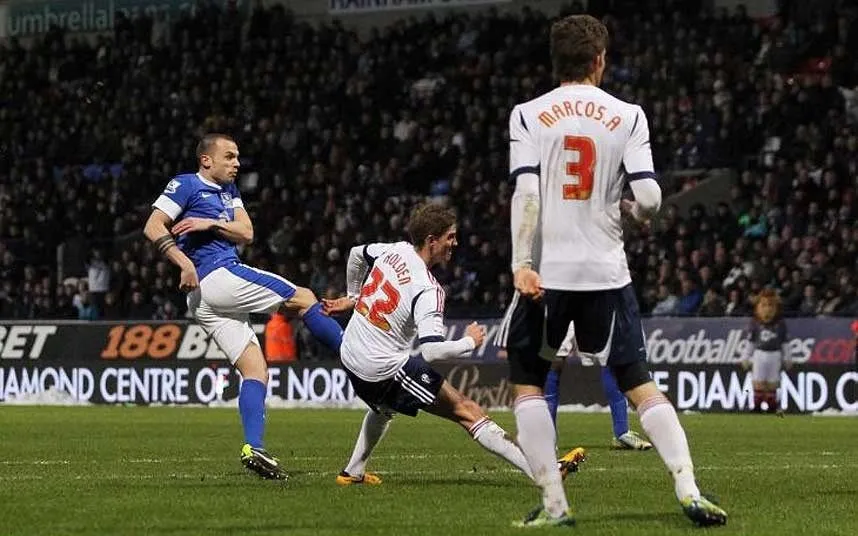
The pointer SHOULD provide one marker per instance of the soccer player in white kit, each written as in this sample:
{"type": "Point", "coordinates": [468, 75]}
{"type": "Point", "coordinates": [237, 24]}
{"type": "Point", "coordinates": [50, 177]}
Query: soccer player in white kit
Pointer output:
{"type": "Point", "coordinates": [210, 220]}
{"type": "Point", "coordinates": [571, 152]}
{"type": "Point", "coordinates": [396, 298]}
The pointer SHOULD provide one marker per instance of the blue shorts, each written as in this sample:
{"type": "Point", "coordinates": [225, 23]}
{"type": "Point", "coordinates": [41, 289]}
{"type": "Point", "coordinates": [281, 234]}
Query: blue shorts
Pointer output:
{"type": "Point", "coordinates": [607, 322]}
{"type": "Point", "coordinates": [414, 387]}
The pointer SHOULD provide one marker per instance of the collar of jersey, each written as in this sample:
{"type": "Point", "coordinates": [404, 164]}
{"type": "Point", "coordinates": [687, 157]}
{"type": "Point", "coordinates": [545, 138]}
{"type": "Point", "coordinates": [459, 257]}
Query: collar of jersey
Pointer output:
{"type": "Point", "coordinates": [208, 182]}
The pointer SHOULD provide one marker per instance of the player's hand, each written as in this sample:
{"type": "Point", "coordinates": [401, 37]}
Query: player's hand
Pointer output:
{"type": "Point", "coordinates": [337, 305]}
{"type": "Point", "coordinates": [528, 283]}
{"type": "Point", "coordinates": [188, 281]}
{"type": "Point", "coordinates": [627, 206]}
{"type": "Point", "coordinates": [476, 332]}
{"type": "Point", "coordinates": [193, 225]}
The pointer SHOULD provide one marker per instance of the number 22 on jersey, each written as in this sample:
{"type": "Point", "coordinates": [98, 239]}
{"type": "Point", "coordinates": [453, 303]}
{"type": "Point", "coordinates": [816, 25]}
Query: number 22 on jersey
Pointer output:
{"type": "Point", "coordinates": [582, 188]}
{"type": "Point", "coordinates": [374, 308]}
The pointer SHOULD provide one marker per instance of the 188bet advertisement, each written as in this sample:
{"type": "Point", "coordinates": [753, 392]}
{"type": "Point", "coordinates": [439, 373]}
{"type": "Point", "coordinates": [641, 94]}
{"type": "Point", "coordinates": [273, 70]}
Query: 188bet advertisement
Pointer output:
{"type": "Point", "coordinates": [695, 361]}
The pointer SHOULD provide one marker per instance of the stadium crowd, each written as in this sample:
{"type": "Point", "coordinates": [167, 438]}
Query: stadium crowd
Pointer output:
{"type": "Point", "coordinates": [340, 136]}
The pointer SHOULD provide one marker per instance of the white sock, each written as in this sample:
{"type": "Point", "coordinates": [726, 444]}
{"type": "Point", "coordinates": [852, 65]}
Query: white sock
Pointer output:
{"type": "Point", "coordinates": [659, 421]}
{"type": "Point", "coordinates": [373, 429]}
{"type": "Point", "coordinates": [537, 439]}
{"type": "Point", "coordinates": [494, 439]}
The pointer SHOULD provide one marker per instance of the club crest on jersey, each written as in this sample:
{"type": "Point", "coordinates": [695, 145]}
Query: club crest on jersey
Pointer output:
{"type": "Point", "coordinates": [226, 198]}
{"type": "Point", "coordinates": [172, 186]}
{"type": "Point", "coordinates": [424, 378]}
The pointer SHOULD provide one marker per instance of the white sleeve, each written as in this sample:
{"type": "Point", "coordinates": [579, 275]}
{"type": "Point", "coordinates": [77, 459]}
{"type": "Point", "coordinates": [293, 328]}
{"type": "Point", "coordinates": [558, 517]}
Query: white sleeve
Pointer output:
{"type": "Point", "coordinates": [523, 150]}
{"type": "Point", "coordinates": [433, 351]}
{"type": "Point", "coordinates": [361, 259]}
{"type": "Point", "coordinates": [174, 198]}
{"type": "Point", "coordinates": [524, 170]}
{"type": "Point", "coordinates": [647, 194]}
{"type": "Point", "coordinates": [637, 156]}
{"type": "Point", "coordinates": [429, 318]}
{"type": "Point", "coordinates": [167, 206]}
{"type": "Point", "coordinates": [428, 313]}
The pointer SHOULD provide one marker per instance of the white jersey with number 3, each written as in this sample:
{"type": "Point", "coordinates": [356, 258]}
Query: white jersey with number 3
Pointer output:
{"type": "Point", "coordinates": [583, 144]}
{"type": "Point", "coordinates": [398, 300]}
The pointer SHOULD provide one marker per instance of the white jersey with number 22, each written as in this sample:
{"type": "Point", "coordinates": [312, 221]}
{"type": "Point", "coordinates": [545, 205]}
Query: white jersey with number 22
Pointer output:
{"type": "Point", "coordinates": [398, 299]}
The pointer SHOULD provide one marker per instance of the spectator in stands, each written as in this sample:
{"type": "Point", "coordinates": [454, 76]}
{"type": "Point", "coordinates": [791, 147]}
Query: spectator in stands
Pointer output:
{"type": "Point", "coordinates": [690, 297]}
{"type": "Point", "coordinates": [139, 308]}
{"type": "Point", "coordinates": [279, 339]}
{"type": "Point", "coordinates": [713, 304]}
{"type": "Point", "coordinates": [112, 309]}
{"type": "Point", "coordinates": [98, 278]}
{"type": "Point", "coordinates": [86, 309]}
{"type": "Point", "coordinates": [668, 302]}
{"type": "Point", "coordinates": [345, 135]}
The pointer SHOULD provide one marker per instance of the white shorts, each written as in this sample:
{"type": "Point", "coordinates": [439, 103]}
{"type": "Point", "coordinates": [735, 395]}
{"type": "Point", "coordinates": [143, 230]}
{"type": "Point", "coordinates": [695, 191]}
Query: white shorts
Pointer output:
{"type": "Point", "coordinates": [225, 298]}
{"type": "Point", "coordinates": [766, 366]}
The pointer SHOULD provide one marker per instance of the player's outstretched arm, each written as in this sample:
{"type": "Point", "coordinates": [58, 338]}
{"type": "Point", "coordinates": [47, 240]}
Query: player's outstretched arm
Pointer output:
{"type": "Point", "coordinates": [157, 231]}
{"type": "Point", "coordinates": [429, 317]}
{"type": "Point", "coordinates": [433, 350]}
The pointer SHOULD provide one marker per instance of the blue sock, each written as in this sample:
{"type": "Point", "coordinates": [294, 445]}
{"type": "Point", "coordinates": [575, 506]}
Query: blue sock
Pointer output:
{"type": "Point", "coordinates": [552, 394]}
{"type": "Point", "coordinates": [251, 406]}
{"type": "Point", "coordinates": [323, 327]}
{"type": "Point", "coordinates": [617, 401]}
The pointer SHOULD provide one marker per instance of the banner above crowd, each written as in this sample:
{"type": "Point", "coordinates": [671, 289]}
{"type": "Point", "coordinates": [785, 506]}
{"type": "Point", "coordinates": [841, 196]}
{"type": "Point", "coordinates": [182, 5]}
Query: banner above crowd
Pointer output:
{"type": "Point", "coordinates": [20, 18]}
{"type": "Point", "coordinates": [347, 7]}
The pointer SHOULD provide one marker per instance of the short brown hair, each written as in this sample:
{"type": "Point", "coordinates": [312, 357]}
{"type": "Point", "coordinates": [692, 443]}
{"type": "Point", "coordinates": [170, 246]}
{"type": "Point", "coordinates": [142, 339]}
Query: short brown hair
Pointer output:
{"type": "Point", "coordinates": [430, 219]}
{"type": "Point", "coordinates": [207, 141]}
{"type": "Point", "coordinates": [575, 41]}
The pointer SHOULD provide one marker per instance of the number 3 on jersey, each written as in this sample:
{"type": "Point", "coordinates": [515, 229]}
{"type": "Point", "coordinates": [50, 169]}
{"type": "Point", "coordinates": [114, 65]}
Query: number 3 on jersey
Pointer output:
{"type": "Point", "coordinates": [374, 309]}
{"type": "Point", "coordinates": [581, 189]}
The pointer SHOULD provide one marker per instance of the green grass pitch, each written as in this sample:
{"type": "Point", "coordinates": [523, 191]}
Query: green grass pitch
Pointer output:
{"type": "Point", "coordinates": [137, 470]}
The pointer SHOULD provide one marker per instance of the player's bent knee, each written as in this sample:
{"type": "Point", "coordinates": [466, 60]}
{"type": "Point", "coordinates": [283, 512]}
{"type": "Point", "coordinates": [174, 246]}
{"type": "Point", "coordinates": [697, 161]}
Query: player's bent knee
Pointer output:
{"type": "Point", "coordinates": [302, 300]}
{"type": "Point", "coordinates": [630, 375]}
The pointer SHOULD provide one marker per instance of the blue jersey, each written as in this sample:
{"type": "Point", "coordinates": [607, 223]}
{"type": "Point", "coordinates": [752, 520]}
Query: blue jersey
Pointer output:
{"type": "Point", "coordinates": [191, 196]}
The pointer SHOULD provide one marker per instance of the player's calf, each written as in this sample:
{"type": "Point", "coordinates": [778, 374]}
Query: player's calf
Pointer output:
{"type": "Point", "coordinates": [301, 300]}
{"type": "Point", "coordinates": [454, 406]}
{"type": "Point", "coordinates": [251, 408]}
{"type": "Point", "coordinates": [323, 327]}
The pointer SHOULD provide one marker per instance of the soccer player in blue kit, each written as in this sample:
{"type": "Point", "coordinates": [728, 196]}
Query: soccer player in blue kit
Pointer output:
{"type": "Point", "coordinates": [196, 223]}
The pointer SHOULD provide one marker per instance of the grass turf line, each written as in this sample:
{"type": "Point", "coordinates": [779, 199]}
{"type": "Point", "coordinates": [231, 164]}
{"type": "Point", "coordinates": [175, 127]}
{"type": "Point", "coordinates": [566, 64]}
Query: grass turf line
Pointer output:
{"type": "Point", "coordinates": [135, 470]}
